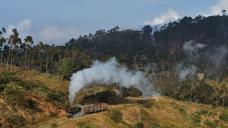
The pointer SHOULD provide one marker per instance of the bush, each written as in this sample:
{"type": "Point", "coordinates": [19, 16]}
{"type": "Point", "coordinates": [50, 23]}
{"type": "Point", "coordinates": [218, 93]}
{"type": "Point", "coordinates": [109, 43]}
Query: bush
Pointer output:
{"type": "Point", "coordinates": [132, 92]}
{"type": "Point", "coordinates": [116, 116]}
{"type": "Point", "coordinates": [204, 112]}
{"type": "Point", "coordinates": [31, 104]}
{"type": "Point", "coordinates": [138, 125]}
{"type": "Point", "coordinates": [108, 96]}
{"type": "Point", "coordinates": [148, 103]}
{"type": "Point", "coordinates": [15, 120]}
{"type": "Point", "coordinates": [14, 95]}
{"type": "Point", "coordinates": [224, 116]}
{"type": "Point", "coordinates": [85, 125]}
{"type": "Point", "coordinates": [54, 96]}
{"type": "Point", "coordinates": [196, 118]}
{"type": "Point", "coordinates": [2, 87]}
{"type": "Point", "coordinates": [6, 77]}
{"type": "Point", "coordinates": [54, 125]}
{"type": "Point", "coordinates": [210, 124]}
{"type": "Point", "coordinates": [182, 111]}
{"type": "Point", "coordinates": [52, 114]}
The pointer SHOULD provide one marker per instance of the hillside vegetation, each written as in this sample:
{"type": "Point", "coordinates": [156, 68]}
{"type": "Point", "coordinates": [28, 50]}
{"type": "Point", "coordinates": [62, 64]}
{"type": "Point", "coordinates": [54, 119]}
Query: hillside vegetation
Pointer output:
{"type": "Point", "coordinates": [28, 97]}
{"type": "Point", "coordinates": [41, 102]}
{"type": "Point", "coordinates": [155, 112]}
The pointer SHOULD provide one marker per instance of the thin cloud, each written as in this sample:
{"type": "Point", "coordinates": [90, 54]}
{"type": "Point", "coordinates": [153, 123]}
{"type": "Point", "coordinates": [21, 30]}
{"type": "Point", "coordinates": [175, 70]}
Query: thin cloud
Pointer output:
{"type": "Point", "coordinates": [23, 27]}
{"type": "Point", "coordinates": [170, 15]}
{"type": "Point", "coordinates": [221, 5]}
{"type": "Point", "coordinates": [56, 34]}
{"type": "Point", "coordinates": [47, 33]}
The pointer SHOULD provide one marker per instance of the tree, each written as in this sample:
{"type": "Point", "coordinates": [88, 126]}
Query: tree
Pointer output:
{"type": "Point", "coordinates": [14, 40]}
{"type": "Point", "coordinates": [65, 67]}
{"type": "Point", "coordinates": [224, 12]}
{"type": "Point", "coordinates": [28, 42]}
{"type": "Point", "coordinates": [147, 29]}
{"type": "Point", "coordinates": [115, 29]}
{"type": "Point", "coordinates": [2, 42]}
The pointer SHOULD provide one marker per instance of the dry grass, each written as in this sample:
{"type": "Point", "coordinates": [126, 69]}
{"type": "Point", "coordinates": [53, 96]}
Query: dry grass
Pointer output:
{"type": "Point", "coordinates": [215, 83]}
{"type": "Point", "coordinates": [164, 113]}
{"type": "Point", "coordinates": [50, 81]}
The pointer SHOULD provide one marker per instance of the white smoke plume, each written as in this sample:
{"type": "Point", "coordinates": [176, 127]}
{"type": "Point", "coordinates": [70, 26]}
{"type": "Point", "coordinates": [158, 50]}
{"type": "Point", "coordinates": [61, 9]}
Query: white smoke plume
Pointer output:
{"type": "Point", "coordinates": [191, 47]}
{"type": "Point", "coordinates": [108, 73]}
{"type": "Point", "coordinates": [185, 72]}
{"type": "Point", "coordinates": [217, 58]}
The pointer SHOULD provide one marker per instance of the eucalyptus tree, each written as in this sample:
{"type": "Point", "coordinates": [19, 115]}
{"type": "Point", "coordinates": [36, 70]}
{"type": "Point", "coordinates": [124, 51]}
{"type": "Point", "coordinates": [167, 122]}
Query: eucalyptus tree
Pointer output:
{"type": "Point", "coordinates": [13, 41]}
{"type": "Point", "coordinates": [2, 42]}
{"type": "Point", "coordinates": [28, 42]}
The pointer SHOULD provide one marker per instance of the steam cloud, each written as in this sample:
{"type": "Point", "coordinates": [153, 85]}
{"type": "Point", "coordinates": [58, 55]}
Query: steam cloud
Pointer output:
{"type": "Point", "coordinates": [213, 59]}
{"type": "Point", "coordinates": [185, 72]}
{"type": "Point", "coordinates": [109, 73]}
{"type": "Point", "coordinates": [218, 58]}
{"type": "Point", "coordinates": [191, 49]}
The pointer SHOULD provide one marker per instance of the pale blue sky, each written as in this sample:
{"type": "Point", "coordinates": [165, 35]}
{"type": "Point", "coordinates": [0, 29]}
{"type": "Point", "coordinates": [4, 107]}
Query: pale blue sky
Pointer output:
{"type": "Point", "coordinates": [70, 18]}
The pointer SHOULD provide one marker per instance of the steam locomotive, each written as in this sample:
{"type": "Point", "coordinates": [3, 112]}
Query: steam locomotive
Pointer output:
{"type": "Point", "coordinates": [80, 110]}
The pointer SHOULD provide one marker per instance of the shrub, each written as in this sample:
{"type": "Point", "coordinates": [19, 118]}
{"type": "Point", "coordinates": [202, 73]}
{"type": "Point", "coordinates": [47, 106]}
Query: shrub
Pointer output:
{"type": "Point", "coordinates": [31, 104]}
{"type": "Point", "coordinates": [108, 96]}
{"type": "Point", "coordinates": [132, 92]}
{"type": "Point", "coordinates": [54, 125]}
{"type": "Point", "coordinates": [85, 125]}
{"type": "Point", "coordinates": [148, 103]}
{"type": "Point", "coordinates": [210, 124]}
{"type": "Point", "coordinates": [196, 118]}
{"type": "Point", "coordinates": [6, 77]}
{"type": "Point", "coordinates": [138, 125]}
{"type": "Point", "coordinates": [14, 95]}
{"type": "Point", "coordinates": [183, 111]}
{"type": "Point", "coordinates": [15, 120]}
{"type": "Point", "coordinates": [204, 112]}
{"type": "Point", "coordinates": [2, 87]}
{"type": "Point", "coordinates": [224, 116]}
{"type": "Point", "coordinates": [116, 116]}
{"type": "Point", "coordinates": [52, 114]}
{"type": "Point", "coordinates": [54, 96]}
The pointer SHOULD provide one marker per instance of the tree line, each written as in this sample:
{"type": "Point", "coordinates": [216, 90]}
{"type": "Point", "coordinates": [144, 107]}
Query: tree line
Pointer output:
{"type": "Point", "coordinates": [42, 57]}
{"type": "Point", "coordinates": [135, 48]}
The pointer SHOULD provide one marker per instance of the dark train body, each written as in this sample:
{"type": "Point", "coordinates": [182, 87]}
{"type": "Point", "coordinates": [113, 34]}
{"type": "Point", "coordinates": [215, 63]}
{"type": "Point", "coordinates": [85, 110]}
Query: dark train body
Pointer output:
{"type": "Point", "coordinates": [80, 110]}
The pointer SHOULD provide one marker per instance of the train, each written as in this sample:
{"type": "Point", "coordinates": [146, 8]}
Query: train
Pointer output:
{"type": "Point", "coordinates": [80, 110]}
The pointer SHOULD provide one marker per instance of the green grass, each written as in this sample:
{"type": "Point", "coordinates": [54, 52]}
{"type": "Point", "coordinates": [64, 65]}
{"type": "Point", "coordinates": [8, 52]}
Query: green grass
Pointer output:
{"type": "Point", "coordinates": [210, 124]}
{"type": "Point", "coordinates": [224, 116]}
{"type": "Point", "coordinates": [196, 118]}
{"type": "Point", "coordinates": [138, 125]}
{"type": "Point", "coordinates": [15, 95]}
{"type": "Point", "coordinates": [116, 116]}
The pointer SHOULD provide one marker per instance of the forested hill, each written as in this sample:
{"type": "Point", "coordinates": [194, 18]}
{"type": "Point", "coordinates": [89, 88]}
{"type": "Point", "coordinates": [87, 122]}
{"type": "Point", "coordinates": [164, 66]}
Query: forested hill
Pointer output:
{"type": "Point", "coordinates": [156, 43]}
{"type": "Point", "coordinates": [164, 45]}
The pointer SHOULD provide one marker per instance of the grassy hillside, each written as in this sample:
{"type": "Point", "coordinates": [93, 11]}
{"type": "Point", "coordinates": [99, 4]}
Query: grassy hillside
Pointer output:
{"type": "Point", "coordinates": [156, 112]}
{"type": "Point", "coordinates": [28, 97]}
{"type": "Point", "coordinates": [33, 99]}
{"type": "Point", "coordinates": [47, 80]}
